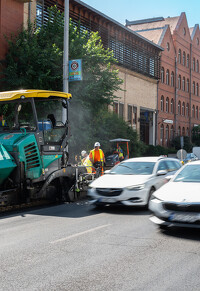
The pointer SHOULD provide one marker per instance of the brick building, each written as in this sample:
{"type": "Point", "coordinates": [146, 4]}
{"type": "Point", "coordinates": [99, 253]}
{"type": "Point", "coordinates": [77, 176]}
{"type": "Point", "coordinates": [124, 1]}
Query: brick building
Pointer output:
{"type": "Point", "coordinates": [178, 89]}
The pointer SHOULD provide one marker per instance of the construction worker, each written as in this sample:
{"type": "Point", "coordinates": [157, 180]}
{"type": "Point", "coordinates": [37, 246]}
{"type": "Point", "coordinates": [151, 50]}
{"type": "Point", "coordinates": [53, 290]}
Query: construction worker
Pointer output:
{"type": "Point", "coordinates": [86, 161]}
{"type": "Point", "coordinates": [120, 153]}
{"type": "Point", "coordinates": [2, 121]}
{"type": "Point", "coordinates": [96, 155]}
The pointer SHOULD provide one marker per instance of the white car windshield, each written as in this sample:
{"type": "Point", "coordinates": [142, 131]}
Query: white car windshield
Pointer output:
{"type": "Point", "coordinates": [190, 173]}
{"type": "Point", "coordinates": [133, 168]}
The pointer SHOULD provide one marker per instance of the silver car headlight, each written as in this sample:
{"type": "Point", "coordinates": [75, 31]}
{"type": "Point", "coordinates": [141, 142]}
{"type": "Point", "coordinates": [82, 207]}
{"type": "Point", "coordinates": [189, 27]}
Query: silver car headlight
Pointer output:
{"type": "Point", "coordinates": [136, 187]}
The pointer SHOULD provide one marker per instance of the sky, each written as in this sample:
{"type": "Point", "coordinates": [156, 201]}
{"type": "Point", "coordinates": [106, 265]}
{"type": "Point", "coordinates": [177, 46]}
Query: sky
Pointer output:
{"type": "Point", "coordinates": [120, 10]}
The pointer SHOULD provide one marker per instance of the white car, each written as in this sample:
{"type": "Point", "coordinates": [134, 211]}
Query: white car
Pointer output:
{"type": "Point", "coordinates": [133, 181]}
{"type": "Point", "coordinates": [178, 202]}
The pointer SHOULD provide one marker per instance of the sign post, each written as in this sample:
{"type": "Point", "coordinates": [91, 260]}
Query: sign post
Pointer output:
{"type": "Point", "coordinates": [75, 70]}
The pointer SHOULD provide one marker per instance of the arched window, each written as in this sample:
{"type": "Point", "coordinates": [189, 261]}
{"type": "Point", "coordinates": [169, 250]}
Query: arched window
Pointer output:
{"type": "Point", "coordinates": [193, 111]}
{"type": "Point", "coordinates": [179, 107]}
{"type": "Point", "coordinates": [172, 105]}
{"type": "Point", "coordinates": [167, 77]}
{"type": "Point", "coordinates": [162, 75]}
{"type": "Point", "coordinates": [197, 66]}
{"type": "Point", "coordinates": [172, 79]}
{"type": "Point", "coordinates": [197, 89]}
{"type": "Point", "coordinates": [183, 58]}
{"type": "Point", "coordinates": [179, 56]}
{"type": "Point", "coordinates": [167, 135]}
{"type": "Point", "coordinates": [162, 103]}
{"type": "Point", "coordinates": [183, 108]}
{"type": "Point", "coordinates": [193, 64]}
{"type": "Point", "coordinates": [193, 87]}
{"type": "Point", "coordinates": [188, 60]}
{"type": "Point", "coordinates": [183, 84]}
{"type": "Point", "coordinates": [187, 85]}
{"type": "Point", "coordinates": [183, 131]}
{"type": "Point", "coordinates": [179, 131]}
{"type": "Point", "coordinates": [179, 82]}
{"type": "Point", "coordinates": [161, 134]}
{"type": "Point", "coordinates": [167, 104]}
{"type": "Point", "coordinates": [171, 132]}
{"type": "Point", "coordinates": [197, 111]}
{"type": "Point", "coordinates": [187, 131]}
{"type": "Point", "coordinates": [187, 110]}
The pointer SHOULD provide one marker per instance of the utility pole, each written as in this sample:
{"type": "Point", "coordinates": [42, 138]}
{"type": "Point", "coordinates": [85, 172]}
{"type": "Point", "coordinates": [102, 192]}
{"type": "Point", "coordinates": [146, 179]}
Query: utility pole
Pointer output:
{"type": "Point", "coordinates": [66, 49]}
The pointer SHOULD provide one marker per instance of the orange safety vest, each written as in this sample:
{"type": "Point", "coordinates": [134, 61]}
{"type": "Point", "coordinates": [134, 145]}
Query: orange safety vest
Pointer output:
{"type": "Point", "coordinates": [101, 155]}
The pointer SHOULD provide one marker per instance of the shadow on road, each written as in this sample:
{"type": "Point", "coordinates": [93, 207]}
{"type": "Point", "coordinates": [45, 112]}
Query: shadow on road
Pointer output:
{"type": "Point", "coordinates": [183, 233]}
{"type": "Point", "coordinates": [77, 209]}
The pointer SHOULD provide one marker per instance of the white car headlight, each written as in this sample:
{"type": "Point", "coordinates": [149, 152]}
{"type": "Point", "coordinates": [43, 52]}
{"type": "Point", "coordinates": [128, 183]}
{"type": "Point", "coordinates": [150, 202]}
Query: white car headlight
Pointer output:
{"type": "Point", "coordinates": [136, 187]}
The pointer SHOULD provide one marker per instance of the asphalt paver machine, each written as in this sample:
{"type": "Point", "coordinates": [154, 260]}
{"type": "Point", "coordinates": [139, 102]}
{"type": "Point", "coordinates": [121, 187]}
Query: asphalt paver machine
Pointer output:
{"type": "Point", "coordinates": [34, 146]}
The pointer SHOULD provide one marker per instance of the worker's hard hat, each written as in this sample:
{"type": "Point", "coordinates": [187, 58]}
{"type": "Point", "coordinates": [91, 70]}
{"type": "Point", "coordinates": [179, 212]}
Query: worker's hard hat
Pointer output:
{"type": "Point", "coordinates": [97, 144]}
{"type": "Point", "coordinates": [83, 153]}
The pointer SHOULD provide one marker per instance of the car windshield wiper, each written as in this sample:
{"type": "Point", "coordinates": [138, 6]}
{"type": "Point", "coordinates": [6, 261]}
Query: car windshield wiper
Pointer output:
{"type": "Point", "coordinates": [125, 167]}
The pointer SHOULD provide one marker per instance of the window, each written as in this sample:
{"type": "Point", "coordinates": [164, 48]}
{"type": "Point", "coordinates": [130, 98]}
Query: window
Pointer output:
{"type": "Point", "coordinates": [197, 111]}
{"type": "Point", "coordinates": [115, 107]}
{"type": "Point", "coordinates": [167, 104]}
{"type": "Point", "coordinates": [172, 105]}
{"type": "Point", "coordinates": [179, 131]}
{"type": "Point", "coordinates": [167, 135]}
{"type": "Point", "coordinates": [172, 79]}
{"type": "Point", "coordinates": [197, 89]}
{"type": "Point", "coordinates": [187, 85]}
{"type": "Point", "coordinates": [168, 46]}
{"type": "Point", "coordinates": [183, 131]}
{"type": "Point", "coordinates": [187, 131]}
{"type": "Point", "coordinates": [130, 114]}
{"type": "Point", "coordinates": [184, 31]}
{"type": "Point", "coordinates": [161, 134]}
{"type": "Point", "coordinates": [134, 115]}
{"type": "Point", "coordinates": [179, 107]}
{"type": "Point", "coordinates": [183, 109]}
{"type": "Point", "coordinates": [188, 58]}
{"type": "Point", "coordinates": [197, 66]}
{"type": "Point", "coordinates": [121, 110]}
{"type": "Point", "coordinates": [162, 75]}
{"type": "Point", "coordinates": [179, 56]}
{"type": "Point", "coordinates": [183, 58]}
{"type": "Point", "coordinates": [179, 82]}
{"type": "Point", "coordinates": [193, 64]}
{"type": "Point", "coordinates": [187, 110]}
{"type": "Point", "coordinates": [167, 77]}
{"type": "Point", "coordinates": [171, 132]}
{"type": "Point", "coordinates": [193, 88]}
{"type": "Point", "coordinates": [197, 41]}
{"type": "Point", "coordinates": [162, 103]}
{"type": "Point", "coordinates": [183, 84]}
{"type": "Point", "coordinates": [193, 111]}
{"type": "Point", "coordinates": [172, 165]}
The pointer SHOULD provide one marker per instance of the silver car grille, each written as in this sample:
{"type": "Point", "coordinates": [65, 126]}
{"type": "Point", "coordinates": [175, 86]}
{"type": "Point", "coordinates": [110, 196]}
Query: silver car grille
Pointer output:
{"type": "Point", "coordinates": [109, 191]}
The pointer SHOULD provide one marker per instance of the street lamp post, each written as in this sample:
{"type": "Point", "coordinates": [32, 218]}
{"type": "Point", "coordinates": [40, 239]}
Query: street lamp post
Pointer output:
{"type": "Point", "coordinates": [66, 48]}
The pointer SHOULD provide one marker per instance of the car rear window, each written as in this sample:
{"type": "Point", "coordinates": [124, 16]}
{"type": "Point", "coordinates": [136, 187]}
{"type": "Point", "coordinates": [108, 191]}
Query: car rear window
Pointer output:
{"type": "Point", "coordinates": [133, 168]}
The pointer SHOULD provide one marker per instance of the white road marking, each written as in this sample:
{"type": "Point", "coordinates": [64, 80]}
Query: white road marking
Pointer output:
{"type": "Point", "coordinates": [79, 233]}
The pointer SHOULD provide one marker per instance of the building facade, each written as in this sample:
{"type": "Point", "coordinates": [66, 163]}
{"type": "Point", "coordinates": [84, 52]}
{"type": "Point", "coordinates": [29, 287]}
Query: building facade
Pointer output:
{"type": "Point", "coordinates": [178, 89]}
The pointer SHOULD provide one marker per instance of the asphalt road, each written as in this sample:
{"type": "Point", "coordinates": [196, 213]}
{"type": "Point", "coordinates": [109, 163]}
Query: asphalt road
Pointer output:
{"type": "Point", "coordinates": [76, 247]}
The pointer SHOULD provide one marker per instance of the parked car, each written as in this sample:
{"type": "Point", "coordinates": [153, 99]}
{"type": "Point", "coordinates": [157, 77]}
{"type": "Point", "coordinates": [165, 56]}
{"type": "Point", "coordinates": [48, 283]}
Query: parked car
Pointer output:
{"type": "Point", "coordinates": [133, 181]}
{"type": "Point", "coordinates": [178, 202]}
{"type": "Point", "coordinates": [189, 158]}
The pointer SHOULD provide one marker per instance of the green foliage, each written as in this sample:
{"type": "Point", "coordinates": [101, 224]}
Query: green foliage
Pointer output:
{"type": "Point", "coordinates": [187, 144]}
{"type": "Point", "coordinates": [196, 135]}
{"type": "Point", "coordinates": [156, 151]}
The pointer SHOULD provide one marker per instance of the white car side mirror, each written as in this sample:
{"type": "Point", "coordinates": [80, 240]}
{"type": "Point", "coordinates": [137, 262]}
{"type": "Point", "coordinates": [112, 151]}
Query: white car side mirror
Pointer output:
{"type": "Point", "coordinates": [161, 173]}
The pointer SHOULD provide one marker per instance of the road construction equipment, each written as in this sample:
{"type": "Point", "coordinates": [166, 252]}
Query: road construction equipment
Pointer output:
{"type": "Point", "coordinates": [34, 147]}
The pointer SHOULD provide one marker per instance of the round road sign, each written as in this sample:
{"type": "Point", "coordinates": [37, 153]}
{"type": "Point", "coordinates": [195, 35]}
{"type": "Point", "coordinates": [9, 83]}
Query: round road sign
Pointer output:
{"type": "Point", "coordinates": [181, 154]}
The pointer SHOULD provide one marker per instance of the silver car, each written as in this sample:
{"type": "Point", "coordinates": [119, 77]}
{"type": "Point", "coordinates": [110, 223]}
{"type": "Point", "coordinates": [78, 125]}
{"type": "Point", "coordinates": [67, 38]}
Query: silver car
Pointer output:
{"type": "Point", "coordinates": [133, 181]}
